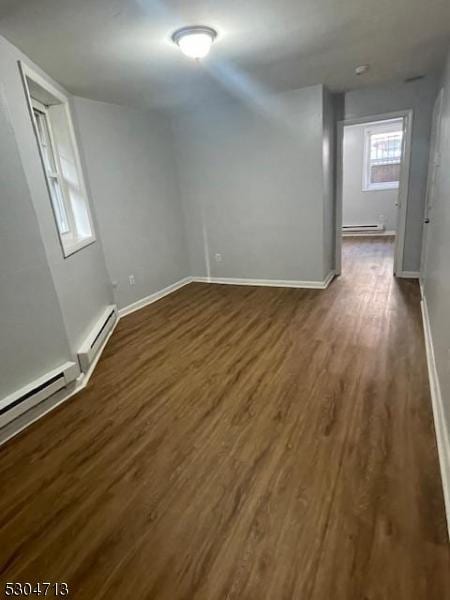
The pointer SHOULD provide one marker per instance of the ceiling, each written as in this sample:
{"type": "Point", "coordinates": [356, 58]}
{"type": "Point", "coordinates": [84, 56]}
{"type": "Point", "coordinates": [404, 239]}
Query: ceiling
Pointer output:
{"type": "Point", "coordinates": [120, 50]}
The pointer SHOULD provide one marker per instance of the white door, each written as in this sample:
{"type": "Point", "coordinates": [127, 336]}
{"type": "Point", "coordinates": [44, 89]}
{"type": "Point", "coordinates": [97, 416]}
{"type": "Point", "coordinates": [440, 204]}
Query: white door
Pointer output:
{"type": "Point", "coordinates": [433, 168]}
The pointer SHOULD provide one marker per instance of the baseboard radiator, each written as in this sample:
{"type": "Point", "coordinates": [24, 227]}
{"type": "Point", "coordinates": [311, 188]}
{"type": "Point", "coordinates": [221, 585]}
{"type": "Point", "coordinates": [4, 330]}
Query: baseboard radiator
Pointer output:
{"type": "Point", "coordinates": [97, 337]}
{"type": "Point", "coordinates": [363, 228]}
{"type": "Point", "coordinates": [19, 402]}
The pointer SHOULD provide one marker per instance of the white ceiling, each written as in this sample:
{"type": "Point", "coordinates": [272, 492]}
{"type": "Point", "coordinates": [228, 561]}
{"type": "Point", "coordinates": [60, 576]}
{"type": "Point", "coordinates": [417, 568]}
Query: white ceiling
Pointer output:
{"type": "Point", "coordinates": [120, 50]}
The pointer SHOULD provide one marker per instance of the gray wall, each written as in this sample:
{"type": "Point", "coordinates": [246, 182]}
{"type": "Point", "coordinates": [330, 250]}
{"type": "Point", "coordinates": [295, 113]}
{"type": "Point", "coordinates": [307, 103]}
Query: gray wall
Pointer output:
{"type": "Point", "coordinates": [81, 280]}
{"type": "Point", "coordinates": [252, 183]}
{"type": "Point", "coordinates": [32, 335]}
{"type": "Point", "coordinates": [437, 273]}
{"type": "Point", "coordinates": [363, 207]}
{"type": "Point", "coordinates": [419, 96]}
{"type": "Point", "coordinates": [132, 175]}
{"type": "Point", "coordinates": [48, 304]}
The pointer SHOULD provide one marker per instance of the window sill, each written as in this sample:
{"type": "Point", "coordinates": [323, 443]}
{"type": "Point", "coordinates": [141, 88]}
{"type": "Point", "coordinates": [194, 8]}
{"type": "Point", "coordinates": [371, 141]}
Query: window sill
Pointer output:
{"type": "Point", "coordinates": [380, 188]}
{"type": "Point", "coordinates": [71, 247]}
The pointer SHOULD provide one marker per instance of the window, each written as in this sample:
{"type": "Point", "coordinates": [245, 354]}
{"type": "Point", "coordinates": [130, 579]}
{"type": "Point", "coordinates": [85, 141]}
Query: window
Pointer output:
{"type": "Point", "coordinates": [49, 109]}
{"type": "Point", "coordinates": [52, 171]}
{"type": "Point", "coordinates": [383, 155]}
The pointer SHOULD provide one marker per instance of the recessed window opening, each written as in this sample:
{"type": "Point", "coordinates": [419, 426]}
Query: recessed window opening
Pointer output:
{"type": "Point", "coordinates": [383, 155]}
{"type": "Point", "coordinates": [50, 113]}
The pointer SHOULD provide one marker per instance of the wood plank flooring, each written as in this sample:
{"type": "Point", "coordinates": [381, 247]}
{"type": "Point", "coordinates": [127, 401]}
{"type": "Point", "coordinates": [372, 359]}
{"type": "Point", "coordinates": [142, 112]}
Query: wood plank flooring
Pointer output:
{"type": "Point", "coordinates": [242, 443]}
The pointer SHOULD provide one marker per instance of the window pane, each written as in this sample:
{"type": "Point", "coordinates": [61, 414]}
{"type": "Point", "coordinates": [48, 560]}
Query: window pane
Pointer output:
{"type": "Point", "coordinates": [58, 206]}
{"type": "Point", "coordinates": [386, 147]}
{"type": "Point", "coordinates": [385, 157]}
{"type": "Point", "coordinates": [44, 141]}
{"type": "Point", "coordinates": [385, 173]}
{"type": "Point", "coordinates": [50, 168]}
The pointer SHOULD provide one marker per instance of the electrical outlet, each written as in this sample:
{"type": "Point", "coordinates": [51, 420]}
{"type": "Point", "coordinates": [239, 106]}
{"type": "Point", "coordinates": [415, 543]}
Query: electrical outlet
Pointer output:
{"type": "Point", "coordinates": [132, 279]}
{"type": "Point", "coordinates": [218, 257]}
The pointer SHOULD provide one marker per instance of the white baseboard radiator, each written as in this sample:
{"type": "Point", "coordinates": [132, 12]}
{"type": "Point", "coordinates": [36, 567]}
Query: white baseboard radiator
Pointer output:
{"type": "Point", "coordinates": [19, 402]}
{"type": "Point", "coordinates": [97, 337]}
{"type": "Point", "coordinates": [362, 229]}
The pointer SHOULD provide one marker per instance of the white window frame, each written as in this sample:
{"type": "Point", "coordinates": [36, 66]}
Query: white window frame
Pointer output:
{"type": "Point", "coordinates": [367, 185]}
{"type": "Point", "coordinates": [70, 242]}
{"type": "Point", "coordinates": [56, 174]}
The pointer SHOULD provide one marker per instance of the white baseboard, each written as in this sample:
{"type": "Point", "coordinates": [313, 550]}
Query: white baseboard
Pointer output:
{"type": "Point", "coordinates": [409, 274]}
{"type": "Point", "coordinates": [369, 233]}
{"type": "Point", "coordinates": [126, 310]}
{"type": "Point", "coordinates": [328, 279]}
{"type": "Point", "coordinates": [287, 283]}
{"type": "Point", "coordinates": [442, 432]}
{"type": "Point", "coordinates": [422, 288]}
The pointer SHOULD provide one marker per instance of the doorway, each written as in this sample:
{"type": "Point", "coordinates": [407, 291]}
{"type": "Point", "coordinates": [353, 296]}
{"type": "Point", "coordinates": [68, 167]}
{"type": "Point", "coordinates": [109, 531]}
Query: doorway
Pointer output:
{"type": "Point", "coordinates": [373, 174]}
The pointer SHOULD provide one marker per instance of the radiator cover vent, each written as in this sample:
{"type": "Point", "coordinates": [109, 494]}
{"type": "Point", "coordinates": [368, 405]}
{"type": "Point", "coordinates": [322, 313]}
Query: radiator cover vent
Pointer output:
{"type": "Point", "coordinates": [97, 337]}
{"type": "Point", "coordinates": [19, 402]}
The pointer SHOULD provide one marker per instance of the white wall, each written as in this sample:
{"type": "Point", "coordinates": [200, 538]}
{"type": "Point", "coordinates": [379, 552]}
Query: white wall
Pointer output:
{"type": "Point", "coordinates": [252, 182]}
{"type": "Point", "coordinates": [363, 207]}
{"type": "Point", "coordinates": [131, 170]}
{"type": "Point", "coordinates": [32, 334]}
{"type": "Point", "coordinates": [418, 96]}
{"type": "Point", "coordinates": [437, 274]}
{"type": "Point", "coordinates": [81, 281]}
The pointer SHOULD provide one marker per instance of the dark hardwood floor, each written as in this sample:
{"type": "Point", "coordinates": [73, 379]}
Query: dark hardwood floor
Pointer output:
{"type": "Point", "coordinates": [242, 443]}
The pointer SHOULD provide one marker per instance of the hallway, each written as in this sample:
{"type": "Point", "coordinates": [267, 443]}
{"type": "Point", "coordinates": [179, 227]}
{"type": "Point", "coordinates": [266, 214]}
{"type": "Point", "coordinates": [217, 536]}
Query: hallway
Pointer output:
{"type": "Point", "coordinates": [242, 443]}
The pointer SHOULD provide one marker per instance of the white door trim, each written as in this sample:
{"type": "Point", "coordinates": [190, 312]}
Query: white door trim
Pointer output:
{"type": "Point", "coordinates": [407, 116]}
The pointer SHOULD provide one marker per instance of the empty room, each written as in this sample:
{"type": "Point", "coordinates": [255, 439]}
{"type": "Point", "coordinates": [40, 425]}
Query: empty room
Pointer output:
{"type": "Point", "coordinates": [225, 300]}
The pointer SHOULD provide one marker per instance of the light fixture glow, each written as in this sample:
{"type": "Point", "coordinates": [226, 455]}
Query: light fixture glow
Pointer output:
{"type": "Point", "coordinates": [361, 69]}
{"type": "Point", "coordinates": [195, 42]}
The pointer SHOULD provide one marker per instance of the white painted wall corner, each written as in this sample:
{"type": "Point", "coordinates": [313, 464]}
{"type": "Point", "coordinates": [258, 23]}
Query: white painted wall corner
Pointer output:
{"type": "Point", "coordinates": [127, 310]}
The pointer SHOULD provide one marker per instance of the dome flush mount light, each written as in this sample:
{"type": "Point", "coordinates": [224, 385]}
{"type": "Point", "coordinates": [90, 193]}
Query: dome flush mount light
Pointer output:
{"type": "Point", "coordinates": [196, 41]}
{"type": "Point", "coordinates": [361, 69]}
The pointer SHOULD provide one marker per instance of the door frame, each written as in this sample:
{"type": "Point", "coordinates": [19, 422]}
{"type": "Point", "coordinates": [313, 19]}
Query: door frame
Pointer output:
{"type": "Point", "coordinates": [407, 116]}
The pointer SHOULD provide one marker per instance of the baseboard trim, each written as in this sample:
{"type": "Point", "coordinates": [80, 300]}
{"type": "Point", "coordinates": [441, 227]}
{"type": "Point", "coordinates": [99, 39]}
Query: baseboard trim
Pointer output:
{"type": "Point", "coordinates": [131, 308]}
{"type": "Point", "coordinates": [328, 279]}
{"type": "Point", "coordinates": [287, 283]}
{"type": "Point", "coordinates": [409, 274]}
{"type": "Point", "coordinates": [442, 433]}
{"type": "Point", "coordinates": [389, 233]}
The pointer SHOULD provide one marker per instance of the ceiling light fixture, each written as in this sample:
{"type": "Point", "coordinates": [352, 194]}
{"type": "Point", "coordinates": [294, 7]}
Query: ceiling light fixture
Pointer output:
{"type": "Point", "coordinates": [196, 41]}
{"type": "Point", "coordinates": [361, 69]}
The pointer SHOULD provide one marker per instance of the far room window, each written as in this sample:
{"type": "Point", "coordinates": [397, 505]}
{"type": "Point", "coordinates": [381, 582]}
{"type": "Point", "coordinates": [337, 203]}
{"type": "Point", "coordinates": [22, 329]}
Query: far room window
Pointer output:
{"type": "Point", "coordinates": [383, 155]}
{"type": "Point", "coordinates": [50, 112]}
